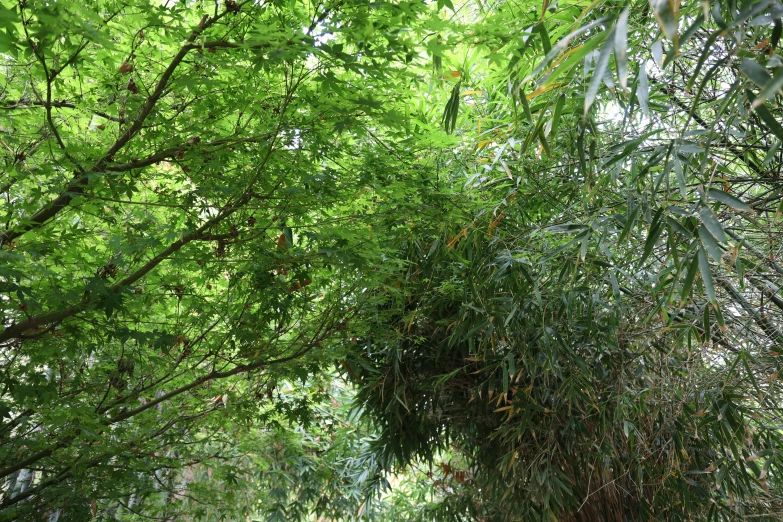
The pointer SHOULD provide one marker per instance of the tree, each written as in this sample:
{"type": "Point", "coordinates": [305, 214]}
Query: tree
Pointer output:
{"type": "Point", "coordinates": [184, 188]}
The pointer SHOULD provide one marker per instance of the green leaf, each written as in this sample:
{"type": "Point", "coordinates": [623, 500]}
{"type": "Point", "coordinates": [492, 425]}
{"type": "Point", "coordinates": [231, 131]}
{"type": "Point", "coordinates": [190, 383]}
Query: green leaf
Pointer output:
{"type": "Point", "coordinates": [706, 275]}
{"type": "Point", "coordinates": [450, 113]}
{"type": "Point", "coordinates": [525, 105]}
{"type": "Point", "coordinates": [706, 323]}
{"type": "Point", "coordinates": [710, 244]}
{"type": "Point", "coordinates": [559, 47]}
{"type": "Point", "coordinates": [643, 91]}
{"type": "Point", "coordinates": [690, 275]}
{"type": "Point", "coordinates": [629, 223]}
{"type": "Point", "coordinates": [556, 115]}
{"type": "Point", "coordinates": [769, 120]}
{"type": "Point", "coordinates": [719, 317]}
{"type": "Point", "coordinates": [666, 16]}
{"type": "Point", "coordinates": [712, 224]}
{"type": "Point", "coordinates": [598, 73]}
{"type": "Point", "coordinates": [566, 228]}
{"type": "Point", "coordinates": [656, 228]}
{"type": "Point", "coordinates": [755, 72]}
{"type": "Point", "coordinates": [679, 172]}
{"type": "Point", "coordinates": [544, 37]}
{"type": "Point", "coordinates": [621, 47]}
{"type": "Point", "coordinates": [771, 89]}
{"type": "Point", "coordinates": [677, 227]}
{"type": "Point", "coordinates": [729, 200]}
{"type": "Point", "coordinates": [575, 57]}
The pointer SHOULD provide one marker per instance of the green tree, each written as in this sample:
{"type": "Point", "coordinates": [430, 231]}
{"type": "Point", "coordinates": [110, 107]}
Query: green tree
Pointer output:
{"type": "Point", "coordinates": [185, 189]}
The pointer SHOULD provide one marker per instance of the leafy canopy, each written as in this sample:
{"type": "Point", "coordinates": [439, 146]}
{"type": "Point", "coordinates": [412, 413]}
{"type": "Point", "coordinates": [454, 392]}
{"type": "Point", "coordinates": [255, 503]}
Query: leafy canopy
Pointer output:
{"type": "Point", "coordinates": [403, 261]}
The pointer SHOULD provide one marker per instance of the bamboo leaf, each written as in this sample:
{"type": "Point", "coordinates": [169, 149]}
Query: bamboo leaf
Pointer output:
{"type": "Point", "coordinates": [712, 224]}
{"type": "Point", "coordinates": [729, 200]}
{"type": "Point", "coordinates": [666, 15]}
{"type": "Point", "coordinates": [690, 275]}
{"type": "Point", "coordinates": [556, 115]}
{"type": "Point", "coordinates": [559, 47]}
{"type": "Point", "coordinates": [769, 119]}
{"type": "Point", "coordinates": [770, 89]}
{"type": "Point", "coordinates": [706, 275]}
{"type": "Point", "coordinates": [621, 48]}
{"type": "Point", "coordinates": [656, 228]}
{"type": "Point", "coordinates": [598, 73]}
{"type": "Point", "coordinates": [709, 243]}
{"type": "Point", "coordinates": [643, 91]}
{"type": "Point", "coordinates": [755, 72]}
{"type": "Point", "coordinates": [525, 105]}
{"type": "Point", "coordinates": [544, 37]}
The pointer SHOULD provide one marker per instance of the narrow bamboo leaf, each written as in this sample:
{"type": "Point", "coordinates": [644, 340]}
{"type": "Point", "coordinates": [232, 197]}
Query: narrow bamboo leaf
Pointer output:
{"type": "Point", "coordinates": [556, 115]}
{"type": "Point", "coordinates": [583, 250]}
{"type": "Point", "coordinates": [755, 72]}
{"type": "Point", "coordinates": [629, 223]}
{"type": "Point", "coordinates": [656, 228]}
{"type": "Point", "coordinates": [769, 120]}
{"type": "Point", "coordinates": [598, 73]}
{"type": "Point", "coordinates": [615, 285]}
{"type": "Point", "coordinates": [770, 89]}
{"type": "Point", "coordinates": [643, 91]}
{"type": "Point", "coordinates": [771, 154]}
{"type": "Point", "coordinates": [580, 147]}
{"type": "Point", "coordinates": [666, 16]}
{"type": "Point", "coordinates": [706, 275]}
{"type": "Point", "coordinates": [621, 48]}
{"type": "Point", "coordinates": [712, 224]}
{"type": "Point", "coordinates": [729, 200]}
{"type": "Point", "coordinates": [690, 275]}
{"type": "Point", "coordinates": [719, 318]}
{"type": "Point", "coordinates": [679, 172]}
{"type": "Point", "coordinates": [706, 323]}
{"type": "Point", "coordinates": [777, 30]}
{"type": "Point", "coordinates": [628, 148]}
{"type": "Point", "coordinates": [525, 105]}
{"type": "Point", "coordinates": [705, 53]}
{"type": "Point", "coordinates": [544, 38]}
{"type": "Point", "coordinates": [677, 227]}
{"type": "Point", "coordinates": [710, 244]}
{"type": "Point", "coordinates": [573, 57]}
{"type": "Point", "coordinates": [451, 111]}
{"type": "Point", "coordinates": [559, 47]}
{"type": "Point", "coordinates": [690, 31]}
{"type": "Point", "coordinates": [657, 52]}
{"type": "Point", "coordinates": [566, 228]}
{"type": "Point", "coordinates": [544, 142]}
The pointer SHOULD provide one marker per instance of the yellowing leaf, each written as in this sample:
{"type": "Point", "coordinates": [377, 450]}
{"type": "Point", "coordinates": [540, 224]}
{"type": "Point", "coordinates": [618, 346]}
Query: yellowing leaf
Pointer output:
{"type": "Point", "coordinates": [542, 90]}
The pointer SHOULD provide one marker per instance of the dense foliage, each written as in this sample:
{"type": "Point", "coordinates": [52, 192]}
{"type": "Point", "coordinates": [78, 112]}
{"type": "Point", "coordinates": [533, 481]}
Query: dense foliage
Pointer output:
{"type": "Point", "coordinates": [293, 260]}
